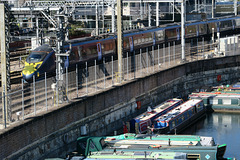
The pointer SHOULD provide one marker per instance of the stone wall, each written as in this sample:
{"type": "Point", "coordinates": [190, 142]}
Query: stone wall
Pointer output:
{"type": "Point", "coordinates": [54, 133]}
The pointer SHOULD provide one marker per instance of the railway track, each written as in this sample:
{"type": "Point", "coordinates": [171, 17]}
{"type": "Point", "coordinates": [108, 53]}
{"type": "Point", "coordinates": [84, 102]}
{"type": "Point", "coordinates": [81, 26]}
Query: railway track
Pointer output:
{"type": "Point", "coordinates": [17, 57]}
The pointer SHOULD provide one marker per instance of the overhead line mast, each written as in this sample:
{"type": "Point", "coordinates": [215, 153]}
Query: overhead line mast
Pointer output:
{"type": "Point", "coordinates": [5, 62]}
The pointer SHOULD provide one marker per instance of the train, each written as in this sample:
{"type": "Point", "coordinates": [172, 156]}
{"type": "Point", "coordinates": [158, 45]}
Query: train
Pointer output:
{"type": "Point", "coordinates": [81, 50]}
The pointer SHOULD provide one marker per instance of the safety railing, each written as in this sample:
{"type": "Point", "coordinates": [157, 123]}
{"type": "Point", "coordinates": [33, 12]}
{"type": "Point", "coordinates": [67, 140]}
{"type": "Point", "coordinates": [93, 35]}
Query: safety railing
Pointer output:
{"type": "Point", "coordinates": [30, 99]}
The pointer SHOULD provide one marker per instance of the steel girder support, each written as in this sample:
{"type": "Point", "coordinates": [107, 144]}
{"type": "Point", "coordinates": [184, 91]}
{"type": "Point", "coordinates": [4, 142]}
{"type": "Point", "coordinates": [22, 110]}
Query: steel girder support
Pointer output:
{"type": "Point", "coordinates": [5, 61]}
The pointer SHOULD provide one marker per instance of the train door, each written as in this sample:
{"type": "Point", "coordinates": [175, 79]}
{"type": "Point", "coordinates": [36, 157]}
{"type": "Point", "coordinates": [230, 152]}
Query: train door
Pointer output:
{"type": "Point", "coordinates": [233, 24]}
{"type": "Point", "coordinates": [178, 33]}
{"type": "Point", "coordinates": [154, 38]}
{"type": "Point", "coordinates": [197, 30]}
{"type": "Point", "coordinates": [99, 50]}
{"type": "Point", "coordinates": [131, 44]}
{"type": "Point", "coordinates": [218, 27]}
{"type": "Point", "coordinates": [66, 62]}
{"type": "Point", "coordinates": [79, 49]}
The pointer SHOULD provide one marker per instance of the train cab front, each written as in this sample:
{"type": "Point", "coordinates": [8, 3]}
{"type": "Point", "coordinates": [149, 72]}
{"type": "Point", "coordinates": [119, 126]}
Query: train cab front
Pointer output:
{"type": "Point", "coordinates": [33, 64]}
{"type": "Point", "coordinates": [29, 71]}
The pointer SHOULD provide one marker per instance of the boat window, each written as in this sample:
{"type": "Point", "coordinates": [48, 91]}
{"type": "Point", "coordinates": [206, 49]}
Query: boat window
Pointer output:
{"type": "Point", "coordinates": [211, 101]}
{"type": "Point", "coordinates": [234, 101]}
{"type": "Point", "coordinates": [103, 143]}
{"type": "Point", "coordinates": [35, 57]}
{"type": "Point", "coordinates": [193, 156]}
{"type": "Point", "coordinates": [92, 145]}
{"type": "Point", "coordinates": [220, 101]}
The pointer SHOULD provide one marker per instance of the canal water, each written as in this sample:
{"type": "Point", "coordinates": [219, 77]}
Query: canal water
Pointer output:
{"type": "Point", "coordinates": [223, 127]}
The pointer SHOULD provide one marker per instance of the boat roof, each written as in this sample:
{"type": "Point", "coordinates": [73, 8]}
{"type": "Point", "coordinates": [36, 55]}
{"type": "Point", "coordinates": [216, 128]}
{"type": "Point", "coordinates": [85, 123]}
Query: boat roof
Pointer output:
{"type": "Point", "coordinates": [135, 155]}
{"type": "Point", "coordinates": [214, 95]}
{"type": "Point", "coordinates": [157, 109]}
{"type": "Point", "coordinates": [180, 109]}
{"type": "Point", "coordinates": [163, 140]}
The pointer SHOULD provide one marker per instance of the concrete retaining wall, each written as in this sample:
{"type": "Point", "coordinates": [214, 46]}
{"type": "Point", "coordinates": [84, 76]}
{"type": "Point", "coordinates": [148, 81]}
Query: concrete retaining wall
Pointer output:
{"type": "Point", "coordinates": [54, 133]}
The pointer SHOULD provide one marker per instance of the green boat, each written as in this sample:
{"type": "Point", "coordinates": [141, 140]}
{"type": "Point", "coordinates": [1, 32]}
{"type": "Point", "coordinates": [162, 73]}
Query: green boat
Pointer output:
{"type": "Point", "coordinates": [218, 101]}
{"type": "Point", "coordinates": [132, 146]}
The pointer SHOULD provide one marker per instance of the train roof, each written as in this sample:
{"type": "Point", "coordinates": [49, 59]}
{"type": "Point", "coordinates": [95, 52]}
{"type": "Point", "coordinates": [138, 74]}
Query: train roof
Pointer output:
{"type": "Point", "coordinates": [127, 33]}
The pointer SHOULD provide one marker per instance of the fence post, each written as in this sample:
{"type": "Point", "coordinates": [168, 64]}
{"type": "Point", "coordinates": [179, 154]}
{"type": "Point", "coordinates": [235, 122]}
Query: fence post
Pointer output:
{"type": "Point", "coordinates": [203, 47]}
{"type": "Point", "coordinates": [46, 90]}
{"type": "Point", "coordinates": [197, 49]}
{"type": "Point", "coordinates": [234, 44]}
{"type": "Point", "coordinates": [141, 61]}
{"type": "Point", "coordinates": [57, 91]}
{"type": "Point", "coordinates": [77, 79]}
{"type": "Point", "coordinates": [95, 75]}
{"type": "Point", "coordinates": [34, 91]}
{"type": "Point", "coordinates": [134, 64]}
{"type": "Point", "coordinates": [67, 83]}
{"type": "Point", "coordinates": [86, 79]}
{"type": "Point", "coordinates": [164, 54]}
{"type": "Point", "coordinates": [174, 52]}
{"type": "Point", "coordinates": [127, 65]}
{"type": "Point", "coordinates": [158, 57]}
{"type": "Point", "coordinates": [112, 71]}
{"type": "Point", "coordinates": [4, 107]}
{"type": "Point", "coordinates": [169, 58]}
{"type": "Point", "coordinates": [153, 57]}
{"type": "Point", "coordinates": [22, 101]}
{"type": "Point", "coordinates": [147, 58]}
{"type": "Point", "coordinates": [104, 73]}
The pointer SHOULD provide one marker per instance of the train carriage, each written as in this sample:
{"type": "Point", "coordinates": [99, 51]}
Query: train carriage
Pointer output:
{"type": "Point", "coordinates": [95, 48]}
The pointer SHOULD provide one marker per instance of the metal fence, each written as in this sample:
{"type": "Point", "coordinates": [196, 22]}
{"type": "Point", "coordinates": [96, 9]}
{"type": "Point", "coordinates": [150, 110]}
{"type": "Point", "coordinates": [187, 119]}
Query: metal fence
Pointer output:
{"type": "Point", "coordinates": [30, 99]}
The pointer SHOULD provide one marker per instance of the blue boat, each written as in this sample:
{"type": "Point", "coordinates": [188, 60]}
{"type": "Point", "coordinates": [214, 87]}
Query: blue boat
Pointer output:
{"type": "Point", "coordinates": [180, 117]}
{"type": "Point", "coordinates": [141, 123]}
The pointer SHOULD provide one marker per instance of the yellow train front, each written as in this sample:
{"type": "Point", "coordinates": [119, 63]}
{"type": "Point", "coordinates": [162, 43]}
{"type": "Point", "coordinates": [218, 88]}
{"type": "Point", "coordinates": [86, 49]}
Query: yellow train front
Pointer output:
{"type": "Point", "coordinates": [39, 61]}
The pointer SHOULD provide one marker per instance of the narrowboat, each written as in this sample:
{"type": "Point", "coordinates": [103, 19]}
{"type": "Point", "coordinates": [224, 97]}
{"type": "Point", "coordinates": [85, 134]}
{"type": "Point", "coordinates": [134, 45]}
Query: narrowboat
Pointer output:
{"type": "Point", "coordinates": [219, 102]}
{"type": "Point", "coordinates": [134, 146]}
{"type": "Point", "coordinates": [234, 88]}
{"type": "Point", "coordinates": [141, 123]}
{"type": "Point", "coordinates": [179, 118]}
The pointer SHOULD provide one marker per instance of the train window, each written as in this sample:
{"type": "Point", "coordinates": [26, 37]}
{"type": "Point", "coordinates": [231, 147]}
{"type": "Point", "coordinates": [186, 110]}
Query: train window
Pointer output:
{"type": "Point", "coordinates": [237, 22]}
{"type": "Point", "coordinates": [146, 39]}
{"type": "Point", "coordinates": [150, 38]}
{"type": "Point", "coordinates": [135, 41]}
{"type": "Point", "coordinates": [35, 57]}
{"type": "Point", "coordinates": [139, 40]}
{"type": "Point", "coordinates": [79, 49]}
{"type": "Point", "coordinates": [159, 35]}
{"type": "Point", "coordinates": [106, 46]}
